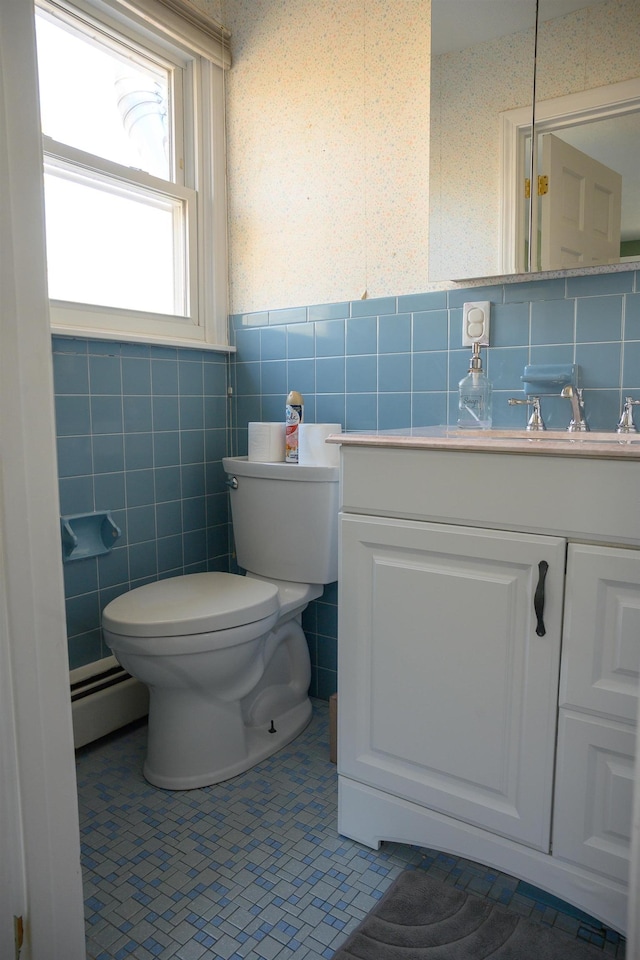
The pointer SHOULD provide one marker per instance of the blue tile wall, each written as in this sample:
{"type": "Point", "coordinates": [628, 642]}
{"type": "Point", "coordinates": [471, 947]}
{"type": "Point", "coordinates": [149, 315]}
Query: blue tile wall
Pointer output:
{"type": "Point", "coordinates": [141, 431]}
{"type": "Point", "coordinates": [395, 362]}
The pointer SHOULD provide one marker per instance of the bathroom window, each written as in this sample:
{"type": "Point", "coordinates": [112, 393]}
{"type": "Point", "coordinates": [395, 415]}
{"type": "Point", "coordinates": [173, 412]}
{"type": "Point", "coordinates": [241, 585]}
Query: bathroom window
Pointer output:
{"type": "Point", "coordinates": [132, 123]}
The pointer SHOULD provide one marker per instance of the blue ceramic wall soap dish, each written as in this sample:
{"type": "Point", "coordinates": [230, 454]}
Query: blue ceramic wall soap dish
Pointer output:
{"type": "Point", "coordinates": [88, 534]}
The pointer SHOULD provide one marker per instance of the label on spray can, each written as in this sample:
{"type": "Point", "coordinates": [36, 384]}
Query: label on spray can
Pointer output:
{"type": "Point", "coordinates": [293, 418]}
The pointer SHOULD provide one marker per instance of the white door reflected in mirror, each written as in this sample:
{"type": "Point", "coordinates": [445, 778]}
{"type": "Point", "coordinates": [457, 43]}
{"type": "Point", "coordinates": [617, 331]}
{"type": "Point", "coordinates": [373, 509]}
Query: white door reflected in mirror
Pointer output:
{"type": "Point", "coordinates": [580, 210]}
{"type": "Point", "coordinates": [602, 125]}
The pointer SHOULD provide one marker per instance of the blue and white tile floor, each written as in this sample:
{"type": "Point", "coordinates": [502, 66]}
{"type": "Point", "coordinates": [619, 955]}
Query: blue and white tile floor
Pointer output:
{"type": "Point", "coordinates": [252, 868]}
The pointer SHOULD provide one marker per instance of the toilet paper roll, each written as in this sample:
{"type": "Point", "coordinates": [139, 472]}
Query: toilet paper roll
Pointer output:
{"type": "Point", "coordinates": [266, 442]}
{"type": "Point", "coordinates": [312, 449]}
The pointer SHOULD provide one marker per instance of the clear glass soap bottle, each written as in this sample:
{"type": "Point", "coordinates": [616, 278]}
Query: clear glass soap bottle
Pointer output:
{"type": "Point", "coordinates": [474, 396]}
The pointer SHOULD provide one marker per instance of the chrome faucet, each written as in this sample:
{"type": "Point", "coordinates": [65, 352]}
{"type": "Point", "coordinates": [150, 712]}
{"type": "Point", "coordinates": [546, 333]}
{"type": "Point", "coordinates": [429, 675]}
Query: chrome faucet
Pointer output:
{"type": "Point", "coordinates": [535, 421]}
{"type": "Point", "coordinates": [574, 394]}
{"type": "Point", "coordinates": [626, 424]}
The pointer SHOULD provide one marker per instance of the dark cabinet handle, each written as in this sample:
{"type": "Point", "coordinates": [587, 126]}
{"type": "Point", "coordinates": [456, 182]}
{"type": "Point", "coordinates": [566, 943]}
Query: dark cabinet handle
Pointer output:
{"type": "Point", "coordinates": [538, 599]}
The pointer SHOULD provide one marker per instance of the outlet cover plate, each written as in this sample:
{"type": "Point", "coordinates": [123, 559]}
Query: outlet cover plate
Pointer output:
{"type": "Point", "coordinates": [475, 323]}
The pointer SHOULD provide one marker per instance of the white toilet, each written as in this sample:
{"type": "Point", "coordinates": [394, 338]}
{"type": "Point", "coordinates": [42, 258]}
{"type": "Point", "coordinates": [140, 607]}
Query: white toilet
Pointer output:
{"type": "Point", "coordinates": [223, 655]}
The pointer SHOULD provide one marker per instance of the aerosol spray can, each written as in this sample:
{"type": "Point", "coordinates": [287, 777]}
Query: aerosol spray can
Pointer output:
{"type": "Point", "coordinates": [293, 419]}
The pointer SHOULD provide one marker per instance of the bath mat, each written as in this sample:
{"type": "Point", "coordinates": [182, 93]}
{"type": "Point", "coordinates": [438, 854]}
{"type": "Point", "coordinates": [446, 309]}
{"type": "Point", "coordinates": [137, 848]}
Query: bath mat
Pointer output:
{"type": "Point", "coordinates": [420, 918]}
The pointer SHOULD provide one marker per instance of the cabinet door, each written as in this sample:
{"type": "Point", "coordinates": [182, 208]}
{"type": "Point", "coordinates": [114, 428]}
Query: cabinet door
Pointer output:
{"type": "Point", "coordinates": [601, 644]}
{"type": "Point", "coordinates": [594, 793]}
{"type": "Point", "coordinates": [447, 694]}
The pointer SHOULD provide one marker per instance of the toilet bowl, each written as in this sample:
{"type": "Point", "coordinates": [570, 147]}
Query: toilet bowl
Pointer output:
{"type": "Point", "coordinates": [224, 655]}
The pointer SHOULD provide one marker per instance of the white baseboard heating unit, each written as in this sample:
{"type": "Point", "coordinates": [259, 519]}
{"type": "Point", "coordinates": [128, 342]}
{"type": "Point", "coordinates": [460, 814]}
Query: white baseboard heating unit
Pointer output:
{"type": "Point", "coordinates": [104, 697]}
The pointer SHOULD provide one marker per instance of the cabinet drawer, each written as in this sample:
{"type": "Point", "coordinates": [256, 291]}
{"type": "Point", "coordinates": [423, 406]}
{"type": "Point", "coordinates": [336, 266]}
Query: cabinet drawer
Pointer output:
{"type": "Point", "coordinates": [498, 491]}
{"type": "Point", "coordinates": [601, 639]}
{"type": "Point", "coordinates": [594, 793]}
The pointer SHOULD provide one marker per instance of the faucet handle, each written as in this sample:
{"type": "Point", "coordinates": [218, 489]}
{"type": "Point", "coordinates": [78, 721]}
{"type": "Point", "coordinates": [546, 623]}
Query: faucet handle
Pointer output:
{"type": "Point", "coordinates": [535, 421]}
{"type": "Point", "coordinates": [626, 424]}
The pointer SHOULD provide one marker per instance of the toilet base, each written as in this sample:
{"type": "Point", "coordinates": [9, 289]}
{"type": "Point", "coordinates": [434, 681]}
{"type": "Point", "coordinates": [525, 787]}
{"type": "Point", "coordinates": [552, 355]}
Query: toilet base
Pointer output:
{"type": "Point", "coordinates": [215, 713]}
{"type": "Point", "coordinates": [259, 743]}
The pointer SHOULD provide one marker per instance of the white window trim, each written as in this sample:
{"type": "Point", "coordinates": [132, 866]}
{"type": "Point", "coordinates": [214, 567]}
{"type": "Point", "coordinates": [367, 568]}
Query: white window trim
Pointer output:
{"type": "Point", "coordinates": [178, 21]}
{"type": "Point", "coordinates": [159, 23]}
{"type": "Point", "coordinates": [66, 160]}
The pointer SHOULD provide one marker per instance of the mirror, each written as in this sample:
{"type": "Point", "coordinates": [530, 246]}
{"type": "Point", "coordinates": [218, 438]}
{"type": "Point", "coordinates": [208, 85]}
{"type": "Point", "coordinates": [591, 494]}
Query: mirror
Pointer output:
{"type": "Point", "coordinates": [482, 115]}
{"type": "Point", "coordinates": [588, 113]}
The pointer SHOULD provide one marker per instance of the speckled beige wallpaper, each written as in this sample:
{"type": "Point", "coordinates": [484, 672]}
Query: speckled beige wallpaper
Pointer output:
{"type": "Point", "coordinates": [608, 34]}
{"type": "Point", "coordinates": [337, 188]}
{"type": "Point", "coordinates": [212, 7]}
{"type": "Point", "coordinates": [470, 89]}
{"type": "Point", "coordinates": [475, 86]}
{"type": "Point", "coordinates": [328, 141]}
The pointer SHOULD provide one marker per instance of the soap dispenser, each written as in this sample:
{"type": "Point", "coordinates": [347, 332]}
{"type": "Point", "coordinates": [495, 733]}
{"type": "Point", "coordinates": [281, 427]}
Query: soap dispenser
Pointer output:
{"type": "Point", "coordinates": [474, 396]}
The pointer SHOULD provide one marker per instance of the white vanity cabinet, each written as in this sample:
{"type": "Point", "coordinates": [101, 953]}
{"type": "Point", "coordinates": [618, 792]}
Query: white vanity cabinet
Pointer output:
{"type": "Point", "coordinates": [489, 644]}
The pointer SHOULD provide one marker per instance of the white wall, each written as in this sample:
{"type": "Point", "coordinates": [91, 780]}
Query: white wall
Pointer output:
{"type": "Point", "coordinates": [328, 142]}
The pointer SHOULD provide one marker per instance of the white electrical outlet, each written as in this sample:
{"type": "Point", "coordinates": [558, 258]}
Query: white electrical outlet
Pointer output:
{"type": "Point", "coordinates": [475, 323]}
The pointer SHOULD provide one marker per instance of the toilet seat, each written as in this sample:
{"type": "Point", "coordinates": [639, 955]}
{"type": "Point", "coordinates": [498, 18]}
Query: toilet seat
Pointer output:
{"type": "Point", "coordinates": [197, 603]}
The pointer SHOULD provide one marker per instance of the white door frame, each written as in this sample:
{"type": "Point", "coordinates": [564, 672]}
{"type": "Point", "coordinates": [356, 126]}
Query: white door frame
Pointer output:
{"type": "Point", "coordinates": [38, 800]}
{"type": "Point", "coordinates": [36, 740]}
{"type": "Point", "coordinates": [633, 912]}
{"type": "Point", "coordinates": [550, 115]}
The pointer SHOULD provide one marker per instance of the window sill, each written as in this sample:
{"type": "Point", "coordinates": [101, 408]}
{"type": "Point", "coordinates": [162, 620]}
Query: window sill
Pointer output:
{"type": "Point", "coordinates": [88, 333]}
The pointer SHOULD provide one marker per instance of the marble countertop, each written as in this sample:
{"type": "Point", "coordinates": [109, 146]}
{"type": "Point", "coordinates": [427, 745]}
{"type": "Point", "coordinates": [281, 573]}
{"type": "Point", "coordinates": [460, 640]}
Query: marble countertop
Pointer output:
{"type": "Point", "coordinates": [607, 446]}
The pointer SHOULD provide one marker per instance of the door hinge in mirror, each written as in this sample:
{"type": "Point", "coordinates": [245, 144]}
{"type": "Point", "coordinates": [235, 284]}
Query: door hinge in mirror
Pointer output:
{"type": "Point", "coordinates": [543, 186]}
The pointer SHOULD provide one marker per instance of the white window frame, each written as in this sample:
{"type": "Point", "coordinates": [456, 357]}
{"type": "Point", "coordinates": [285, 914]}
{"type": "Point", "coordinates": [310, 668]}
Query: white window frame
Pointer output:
{"type": "Point", "coordinates": [198, 48]}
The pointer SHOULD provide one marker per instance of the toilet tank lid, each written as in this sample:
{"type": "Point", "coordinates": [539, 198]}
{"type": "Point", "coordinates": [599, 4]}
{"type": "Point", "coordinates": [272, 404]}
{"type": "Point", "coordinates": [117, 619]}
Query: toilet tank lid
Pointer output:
{"type": "Point", "coordinates": [195, 603]}
{"type": "Point", "coordinates": [281, 471]}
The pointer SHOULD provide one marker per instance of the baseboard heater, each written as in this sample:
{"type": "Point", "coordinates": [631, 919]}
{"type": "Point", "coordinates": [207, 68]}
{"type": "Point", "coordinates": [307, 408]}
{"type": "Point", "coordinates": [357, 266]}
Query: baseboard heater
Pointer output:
{"type": "Point", "coordinates": [104, 697]}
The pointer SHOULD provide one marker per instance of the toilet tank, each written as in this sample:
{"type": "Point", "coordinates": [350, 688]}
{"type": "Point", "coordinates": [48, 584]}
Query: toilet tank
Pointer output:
{"type": "Point", "coordinates": [285, 519]}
